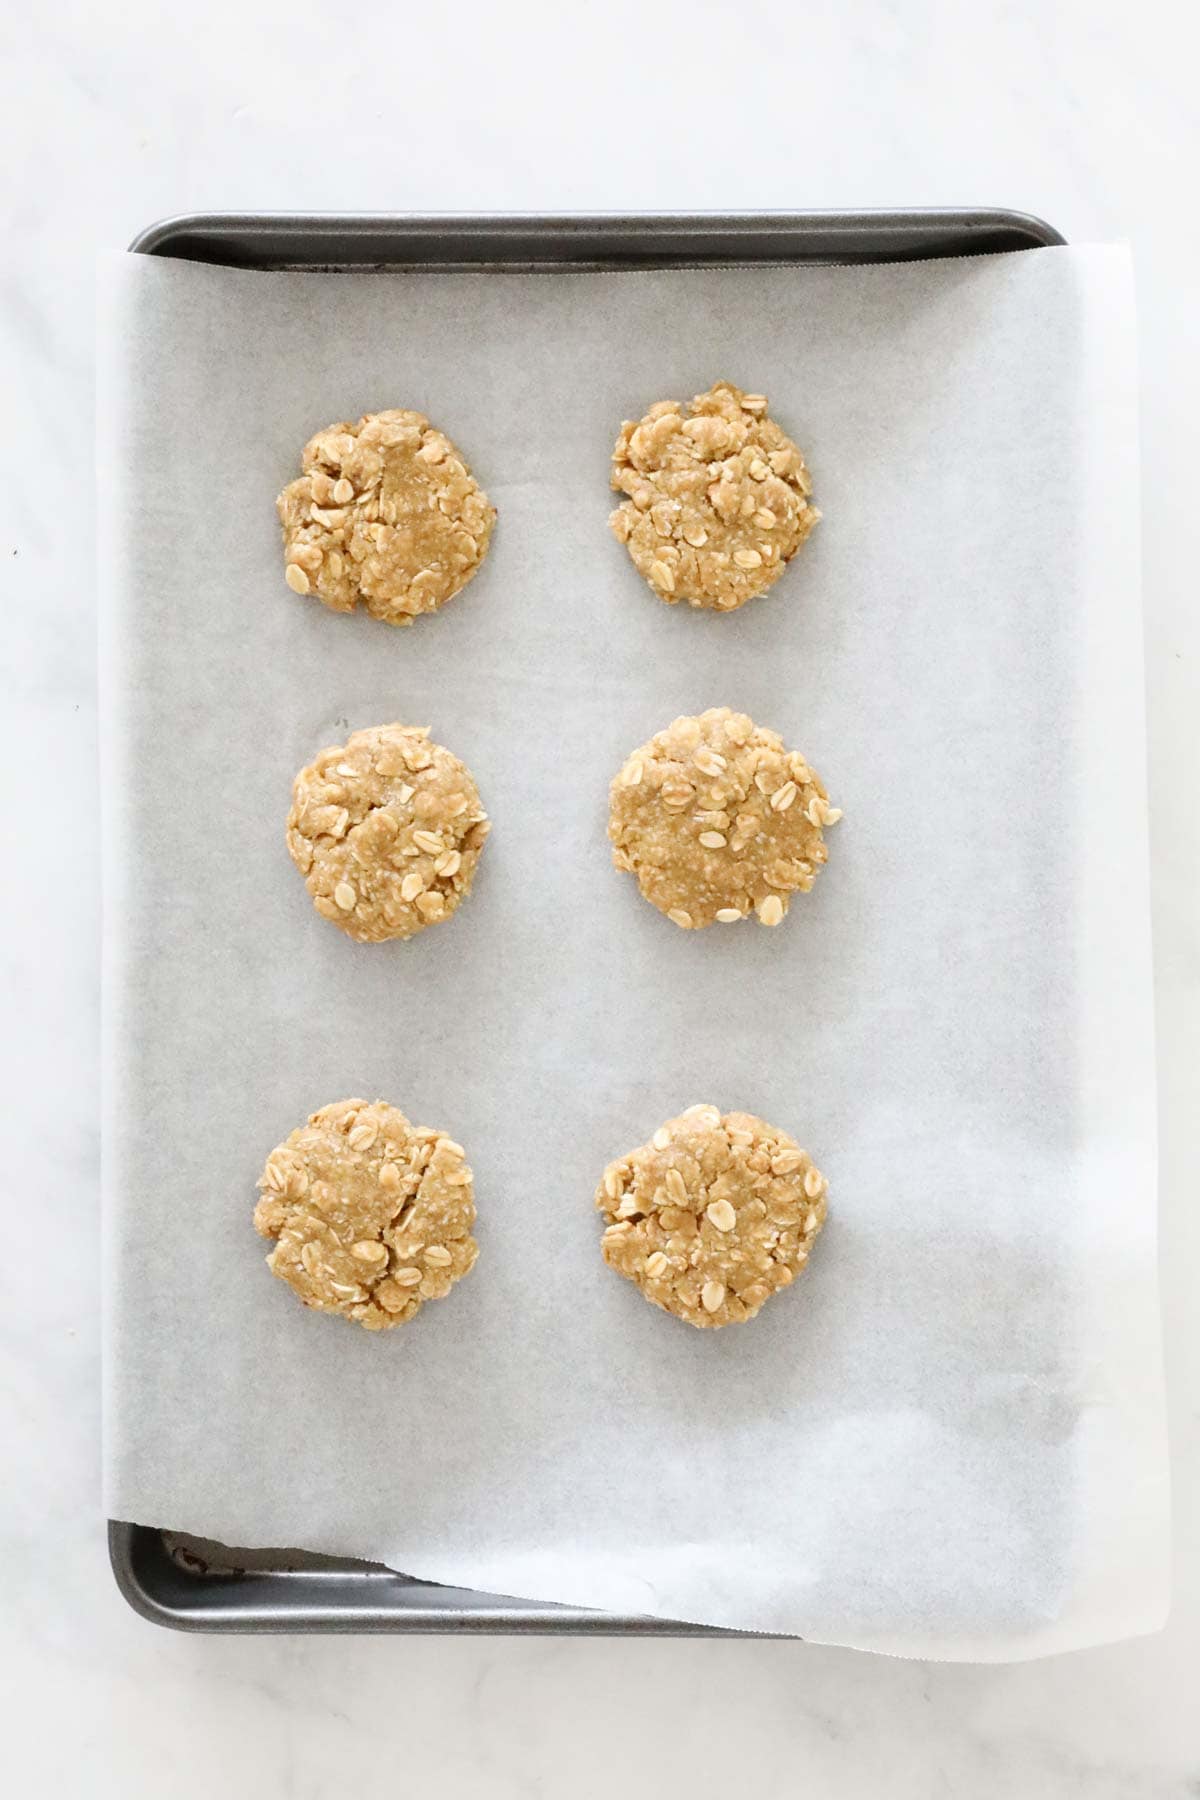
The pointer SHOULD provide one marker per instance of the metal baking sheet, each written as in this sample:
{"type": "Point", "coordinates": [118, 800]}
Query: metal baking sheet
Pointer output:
{"type": "Point", "coordinates": [191, 1584]}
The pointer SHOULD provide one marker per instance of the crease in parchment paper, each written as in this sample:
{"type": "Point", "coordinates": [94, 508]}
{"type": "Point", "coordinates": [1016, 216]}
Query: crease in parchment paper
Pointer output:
{"type": "Point", "coordinates": [947, 1438]}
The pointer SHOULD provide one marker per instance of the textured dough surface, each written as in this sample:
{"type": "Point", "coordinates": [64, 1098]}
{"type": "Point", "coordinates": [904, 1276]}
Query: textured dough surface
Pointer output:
{"type": "Point", "coordinates": [717, 498]}
{"type": "Point", "coordinates": [386, 830]}
{"type": "Point", "coordinates": [387, 513]}
{"type": "Point", "coordinates": [713, 1216]}
{"type": "Point", "coordinates": [371, 1216]}
{"type": "Point", "coordinates": [717, 820]}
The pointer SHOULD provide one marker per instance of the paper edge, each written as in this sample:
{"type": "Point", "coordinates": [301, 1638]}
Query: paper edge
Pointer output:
{"type": "Point", "coordinates": [1127, 1548]}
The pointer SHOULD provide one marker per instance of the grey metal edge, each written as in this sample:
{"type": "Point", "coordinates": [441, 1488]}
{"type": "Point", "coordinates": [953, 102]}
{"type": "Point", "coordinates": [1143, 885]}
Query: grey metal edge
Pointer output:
{"type": "Point", "coordinates": [168, 1582]}
{"type": "Point", "coordinates": [360, 241]}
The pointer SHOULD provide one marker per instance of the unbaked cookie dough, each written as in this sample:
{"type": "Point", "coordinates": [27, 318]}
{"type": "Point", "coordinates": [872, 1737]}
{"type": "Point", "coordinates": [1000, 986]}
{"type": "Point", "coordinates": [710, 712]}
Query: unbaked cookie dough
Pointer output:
{"type": "Point", "coordinates": [386, 830]}
{"type": "Point", "coordinates": [713, 1215]}
{"type": "Point", "coordinates": [372, 1216]}
{"type": "Point", "coordinates": [386, 512]}
{"type": "Point", "coordinates": [717, 820]}
{"type": "Point", "coordinates": [717, 498]}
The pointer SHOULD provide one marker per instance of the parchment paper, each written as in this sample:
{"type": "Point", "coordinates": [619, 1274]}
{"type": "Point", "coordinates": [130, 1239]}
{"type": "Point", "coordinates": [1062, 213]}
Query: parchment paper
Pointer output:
{"type": "Point", "coordinates": [947, 1438]}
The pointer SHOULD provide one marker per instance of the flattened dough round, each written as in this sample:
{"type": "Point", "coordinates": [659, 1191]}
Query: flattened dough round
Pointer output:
{"type": "Point", "coordinates": [713, 1216]}
{"type": "Point", "coordinates": [717, 820]}
{"type": "Point", "coordinates": [386, 829]}
{"type": "Point", "coordinates": [371, 1216]}
{"type": "Point", "coordinates": [717, 498]}
{"type": "Point", "coordinates": [387, 513]}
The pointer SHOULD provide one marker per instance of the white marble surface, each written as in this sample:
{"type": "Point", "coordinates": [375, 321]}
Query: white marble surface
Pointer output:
{"type": "Point", "coordinates": [1082, 110]}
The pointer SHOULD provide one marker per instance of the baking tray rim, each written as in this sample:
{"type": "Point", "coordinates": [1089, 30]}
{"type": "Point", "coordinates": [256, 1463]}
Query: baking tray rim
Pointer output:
{"type": "Point", "coordinates": [143, 1565]}
{"type": "Point", "coordinates": [601, 240]}
{"type": "Point", "coordinates": [152, 1579]}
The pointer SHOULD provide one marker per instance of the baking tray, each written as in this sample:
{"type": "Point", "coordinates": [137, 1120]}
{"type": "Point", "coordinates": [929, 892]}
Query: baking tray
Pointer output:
{"type": "Point", "coordinates": [196, 1585]}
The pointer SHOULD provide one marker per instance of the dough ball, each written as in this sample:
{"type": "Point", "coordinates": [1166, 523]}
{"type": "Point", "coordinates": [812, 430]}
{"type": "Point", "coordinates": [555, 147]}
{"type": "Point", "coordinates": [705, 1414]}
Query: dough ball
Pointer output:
{"type": "Point", "coordinates": [718, 821]}
{"type": "Point", "coordinates": [371, 1216]}
{"type": "Point", "coordinates": [386, 829]}
{"type": "Point", "coordinates": [387, 513]}
{"type": "Point", "coordinates": [717, 498]}
{"type": "Point", "coordinates": [713, 1216]}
